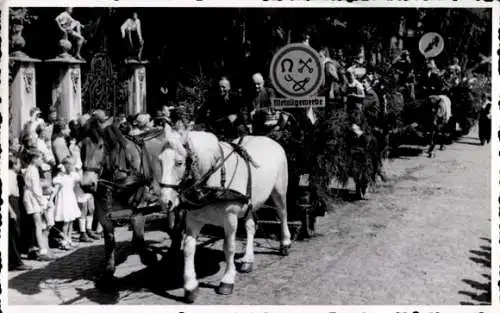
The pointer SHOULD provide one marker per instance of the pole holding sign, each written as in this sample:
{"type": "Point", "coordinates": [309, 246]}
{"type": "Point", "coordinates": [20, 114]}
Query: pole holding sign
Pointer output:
{"type": "Point", "coordinates": [431, 45]}
{"type": "Point", "coordinates": [297, 73]}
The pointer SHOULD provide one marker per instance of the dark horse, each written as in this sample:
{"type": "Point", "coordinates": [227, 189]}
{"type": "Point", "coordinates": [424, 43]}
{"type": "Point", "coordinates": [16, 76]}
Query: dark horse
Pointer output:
{"type": "Point", "coordinates": [122, 171]}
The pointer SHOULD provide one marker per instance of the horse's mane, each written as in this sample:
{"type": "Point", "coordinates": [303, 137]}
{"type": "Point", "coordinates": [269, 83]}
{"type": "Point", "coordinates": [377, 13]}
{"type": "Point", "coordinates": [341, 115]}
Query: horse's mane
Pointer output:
{"type": "Point", "coordinates": [205, 146]}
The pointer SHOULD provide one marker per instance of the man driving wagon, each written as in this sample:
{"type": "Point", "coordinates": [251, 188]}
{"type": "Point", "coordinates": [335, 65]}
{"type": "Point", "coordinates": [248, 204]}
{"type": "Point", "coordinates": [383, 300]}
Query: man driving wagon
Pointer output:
{"type": "Point", "coordinates": [230, 116]}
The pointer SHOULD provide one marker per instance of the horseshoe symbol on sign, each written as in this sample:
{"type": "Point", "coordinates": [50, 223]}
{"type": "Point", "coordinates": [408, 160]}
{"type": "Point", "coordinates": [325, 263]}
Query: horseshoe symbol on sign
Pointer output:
{"type": "Point", "coordinates": [305, 64]}
{"type": "Point", "coordinates": [290, 65]}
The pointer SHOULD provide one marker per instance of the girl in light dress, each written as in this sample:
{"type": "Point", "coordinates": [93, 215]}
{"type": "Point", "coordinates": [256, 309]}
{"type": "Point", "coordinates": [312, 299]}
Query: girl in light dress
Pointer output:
{"type": "Point", "coordinates": [36, 204]}
{"type": "Point", "coordinates": [66, 205]}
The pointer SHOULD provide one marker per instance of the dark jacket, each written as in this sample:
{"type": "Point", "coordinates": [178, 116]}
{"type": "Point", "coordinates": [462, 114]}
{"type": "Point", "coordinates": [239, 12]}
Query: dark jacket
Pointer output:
{"type": "Point", "coordinates": [218, 108]}
{"type": "Point", "coordinates": [257, 101]}
{"type": "Point", "coordinates": [214, 115]}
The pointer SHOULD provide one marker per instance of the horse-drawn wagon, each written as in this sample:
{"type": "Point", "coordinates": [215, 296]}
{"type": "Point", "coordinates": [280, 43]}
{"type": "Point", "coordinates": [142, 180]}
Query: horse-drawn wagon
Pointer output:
{"type": "Point", "coordinates": [210, 181]}
{"type": "Point", "coordinates": [293, 131]}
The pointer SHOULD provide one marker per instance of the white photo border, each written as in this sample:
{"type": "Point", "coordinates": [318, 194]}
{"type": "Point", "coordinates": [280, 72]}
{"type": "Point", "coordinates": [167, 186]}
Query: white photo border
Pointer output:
{"type": "Point", "coordinates": [495, 149]}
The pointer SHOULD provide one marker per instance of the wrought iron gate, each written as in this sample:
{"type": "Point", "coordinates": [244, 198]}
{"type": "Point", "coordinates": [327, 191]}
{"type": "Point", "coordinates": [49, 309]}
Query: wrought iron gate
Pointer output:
{"type": "Point", "coordinates": [101, 85]}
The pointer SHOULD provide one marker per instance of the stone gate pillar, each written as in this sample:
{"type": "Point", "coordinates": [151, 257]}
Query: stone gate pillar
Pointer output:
{"type": "Point", "coordinates": [136, 87]}
{"type": "Point", "coordinates": [67, 87]}
{"type": "Point", "coordinates": [22, 92]}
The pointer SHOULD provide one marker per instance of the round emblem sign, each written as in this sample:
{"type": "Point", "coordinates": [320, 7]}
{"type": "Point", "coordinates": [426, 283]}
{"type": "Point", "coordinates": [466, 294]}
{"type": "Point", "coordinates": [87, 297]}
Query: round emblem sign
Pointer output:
{"type": "Point", "coordinates": [297, 71]}
{"type": "Point", "coordinates": [431, 45]}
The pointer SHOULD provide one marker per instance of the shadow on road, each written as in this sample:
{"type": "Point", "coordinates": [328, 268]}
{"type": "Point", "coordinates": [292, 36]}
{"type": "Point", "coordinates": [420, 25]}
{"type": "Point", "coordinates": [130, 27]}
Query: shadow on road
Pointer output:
{"type": "Point", "coordinates": [86, 264]}
{"type": "Point", "coordinates": [405, 152]}
{"type": "Point", "coordinates": [479, 292]}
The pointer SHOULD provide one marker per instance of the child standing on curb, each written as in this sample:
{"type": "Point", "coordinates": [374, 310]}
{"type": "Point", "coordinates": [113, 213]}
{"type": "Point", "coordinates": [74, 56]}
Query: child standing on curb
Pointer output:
{"type": "Point", "coordinates": [66, 206]}
{"type": "Point", "coordinates": [36, 203]}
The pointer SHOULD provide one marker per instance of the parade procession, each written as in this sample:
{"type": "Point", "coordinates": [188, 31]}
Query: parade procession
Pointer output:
{"type": "Point", "coordinates": [249, 155]}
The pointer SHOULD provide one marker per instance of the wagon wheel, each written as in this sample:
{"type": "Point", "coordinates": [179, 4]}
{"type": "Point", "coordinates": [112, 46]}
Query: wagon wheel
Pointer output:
{"type": "Point", "coordinates": [267, 223]}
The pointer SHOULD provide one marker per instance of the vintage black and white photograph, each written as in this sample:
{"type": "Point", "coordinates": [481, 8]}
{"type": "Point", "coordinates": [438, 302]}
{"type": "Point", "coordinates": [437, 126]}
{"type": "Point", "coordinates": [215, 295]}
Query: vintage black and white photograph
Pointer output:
{"type": "Point", "coordinates": [249, 155]}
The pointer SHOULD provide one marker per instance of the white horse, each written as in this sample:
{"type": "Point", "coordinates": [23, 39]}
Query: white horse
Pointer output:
{"type": "Point", "coordinates": [269, 178]}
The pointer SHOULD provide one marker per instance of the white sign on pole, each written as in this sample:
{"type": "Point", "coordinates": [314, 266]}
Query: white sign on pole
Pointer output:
{"type": "Point", "coordinates": [431, 45]}
{"type": "Point", "coordinates": [297, 73]}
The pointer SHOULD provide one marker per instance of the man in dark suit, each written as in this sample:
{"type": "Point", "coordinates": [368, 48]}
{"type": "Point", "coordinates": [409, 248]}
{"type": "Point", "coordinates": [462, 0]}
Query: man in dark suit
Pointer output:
{"type": "Point", "coordinates": [223, 112]}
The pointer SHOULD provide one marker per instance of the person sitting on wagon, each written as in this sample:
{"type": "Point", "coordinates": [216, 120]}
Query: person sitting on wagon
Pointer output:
{"type": "Point", "coordinates": [355, 92]}
{"type": "Point", "coordinates": [260, 109]}
{"type": "Point", "coordinates": [222, 114]}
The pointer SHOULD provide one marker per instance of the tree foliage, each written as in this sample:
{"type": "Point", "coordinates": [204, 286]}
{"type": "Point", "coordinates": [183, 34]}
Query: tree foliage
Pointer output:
{"type": "Point", "coordinates": [235, 42]}
{"type": "Point", "coordinates": [188, 48]}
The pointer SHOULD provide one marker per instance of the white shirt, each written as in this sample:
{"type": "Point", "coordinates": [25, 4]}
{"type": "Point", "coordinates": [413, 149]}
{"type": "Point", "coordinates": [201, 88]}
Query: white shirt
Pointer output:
{"type": "Point", "coordinates": [33, 199]}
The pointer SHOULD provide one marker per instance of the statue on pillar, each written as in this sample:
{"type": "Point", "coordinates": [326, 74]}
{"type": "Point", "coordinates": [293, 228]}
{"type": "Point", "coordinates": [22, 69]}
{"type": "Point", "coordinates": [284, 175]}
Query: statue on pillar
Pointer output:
{"type": "Point", "coordinates": [132, 34]}
{"type": "Point", "coordinates": [70, 28]}
{"type": "Point", "coordinates": [17, 41]}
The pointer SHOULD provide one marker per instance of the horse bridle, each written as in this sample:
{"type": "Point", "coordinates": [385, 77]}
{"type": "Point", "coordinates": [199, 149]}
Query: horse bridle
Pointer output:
{"type": "Point", "coordinates": [188, 174]}
{"type": "Point", "coordinates": [98, 170]}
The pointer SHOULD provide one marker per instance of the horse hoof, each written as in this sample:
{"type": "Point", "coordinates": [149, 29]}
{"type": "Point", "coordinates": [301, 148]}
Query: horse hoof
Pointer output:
{"type": "Point", "coordinates": [191, 295]}
{"type": "Point", "coordinates": [224, 289]}
{"type": "Point", "coordinates": [285, 250]}
{"type": "Point", "coordinates": [245, 267]}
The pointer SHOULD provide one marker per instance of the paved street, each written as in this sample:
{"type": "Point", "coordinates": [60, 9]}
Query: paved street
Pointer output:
{"type": "Point", "coordinates": [421, 238]}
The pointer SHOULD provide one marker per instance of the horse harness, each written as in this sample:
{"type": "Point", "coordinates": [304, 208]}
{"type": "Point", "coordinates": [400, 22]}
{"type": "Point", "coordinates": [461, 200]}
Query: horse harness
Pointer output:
{"type": "Point", "coordinates": [143, 181]}
{"type": "Point", "coordinates": [194, 194]}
